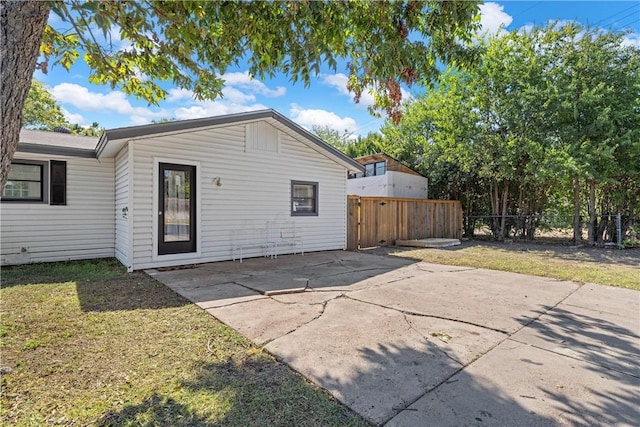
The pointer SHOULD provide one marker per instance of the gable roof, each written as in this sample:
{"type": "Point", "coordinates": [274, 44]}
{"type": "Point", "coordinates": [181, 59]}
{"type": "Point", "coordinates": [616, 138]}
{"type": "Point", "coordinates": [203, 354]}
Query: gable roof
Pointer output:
{"type": "Point", "coordinates": [113, 139]}
{"type": "Point", "coordinates": [56, 143]}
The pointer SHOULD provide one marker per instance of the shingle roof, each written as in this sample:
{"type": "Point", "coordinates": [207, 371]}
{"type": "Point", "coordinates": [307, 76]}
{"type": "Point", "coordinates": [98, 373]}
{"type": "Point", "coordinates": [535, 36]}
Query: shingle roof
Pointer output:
{"type": "Point", "coordinates": [44, 142]}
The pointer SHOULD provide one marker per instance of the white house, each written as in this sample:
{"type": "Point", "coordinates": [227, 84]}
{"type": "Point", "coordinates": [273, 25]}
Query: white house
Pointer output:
{"type": "Point", "coordinates": [384, 176]}
{"type": "Point", "coordinates": [175, 193]}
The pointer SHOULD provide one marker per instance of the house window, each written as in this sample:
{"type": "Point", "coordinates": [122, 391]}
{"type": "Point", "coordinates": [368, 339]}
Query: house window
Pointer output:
{"type": "Point", "coordinates": [26, 182]}
{"type": "Point", "coordinates": [58, 183]}
{"type": "Point", "coordinates": [304, 198]}
{"type": "Point", "coordinates": [372, 169]}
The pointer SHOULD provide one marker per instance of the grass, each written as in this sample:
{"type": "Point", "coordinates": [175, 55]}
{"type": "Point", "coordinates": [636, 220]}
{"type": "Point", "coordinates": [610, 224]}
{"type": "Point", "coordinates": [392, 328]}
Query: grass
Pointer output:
{"type": "Point", "coordinates": [565, 265]}
{"type": "Point", "coordinates": [84, 343]}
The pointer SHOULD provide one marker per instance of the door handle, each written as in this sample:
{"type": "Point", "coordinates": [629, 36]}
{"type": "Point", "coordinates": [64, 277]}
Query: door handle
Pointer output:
{"type": "Point", "coordinates": [159, 213]}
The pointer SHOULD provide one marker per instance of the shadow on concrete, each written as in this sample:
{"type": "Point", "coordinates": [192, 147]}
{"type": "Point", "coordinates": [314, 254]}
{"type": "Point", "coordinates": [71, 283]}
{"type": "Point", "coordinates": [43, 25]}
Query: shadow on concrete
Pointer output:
{"type": "Point", "coordinates": [234, 282]}
{"type": "Point", "coordinates": [475, 403]}
{"type": "Point", "coordinates": [611, 351]}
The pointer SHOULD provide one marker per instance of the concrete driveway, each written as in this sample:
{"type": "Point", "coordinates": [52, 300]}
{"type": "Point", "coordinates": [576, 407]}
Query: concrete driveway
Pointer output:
{"type": "Point", "coordinates": [408, 343]}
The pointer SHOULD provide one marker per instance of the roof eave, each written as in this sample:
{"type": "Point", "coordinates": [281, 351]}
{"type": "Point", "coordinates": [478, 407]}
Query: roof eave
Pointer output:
{"type": "Point", "coordinates": [56, 151]}
{"type": "Point", "coordinates": [133, 132]}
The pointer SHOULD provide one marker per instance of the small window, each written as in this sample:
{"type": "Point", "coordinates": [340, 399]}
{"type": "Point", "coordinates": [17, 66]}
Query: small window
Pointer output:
{"type": "Point", "coordinates": [370, 169]}
{"type": "Point", "coordinates": [26, 182]}
{"type": "Point", "coordinates": [58, 183]}
{"type": "Point", "coordinates": [304, 198]}
{"type": "Point", "coordinates": [375, 169]}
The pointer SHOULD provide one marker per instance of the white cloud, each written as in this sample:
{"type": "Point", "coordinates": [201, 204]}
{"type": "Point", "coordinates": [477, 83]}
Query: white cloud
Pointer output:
{"type": "Point", "coordinates": [178, 94]}
{"type": "Point", "coordinates": [244, 81]}
{"type": "Point", "coordinates": [631, 40]}
{"type": "Point", "coordinates": [236, 96]}
{"type": "Point", "coordinates": [213, 108]}
{"type": "Point", "coordinates": [339, 81]}
{"type": "Point", "coordinates": [112, 102]}
{"type": "Point", "coordinates": [72, 117]}
{"type": "Point", "coordinates": [315, 117]}
{"type": "Point", "coordinates": [493, 18]}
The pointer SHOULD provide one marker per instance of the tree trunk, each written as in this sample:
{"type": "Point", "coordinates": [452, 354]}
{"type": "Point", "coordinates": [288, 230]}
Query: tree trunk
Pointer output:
{"type": "Point", "coordinates": [592, 212]}
{"type": "Point", "coordinates": [495, 208]}
{"type": "Point", "coordinates": [21, 27]}
{"type": "Point", "coordinates": [577, 226]}
{"type": "Point", "coordinates": [505, 197]}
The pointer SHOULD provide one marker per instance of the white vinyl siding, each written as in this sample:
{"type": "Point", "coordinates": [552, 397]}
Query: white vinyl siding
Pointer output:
{"type": "Point", "coordinates": [255, 187]}
{"type": "Point", "coordinates": [81, 229]}
{"type": "Point", "coordinates": [122, 210]}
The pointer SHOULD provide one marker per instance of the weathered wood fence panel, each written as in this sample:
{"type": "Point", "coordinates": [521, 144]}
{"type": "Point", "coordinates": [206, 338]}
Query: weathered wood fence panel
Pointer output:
{"type": "Point", "coordinates": [380, 221]}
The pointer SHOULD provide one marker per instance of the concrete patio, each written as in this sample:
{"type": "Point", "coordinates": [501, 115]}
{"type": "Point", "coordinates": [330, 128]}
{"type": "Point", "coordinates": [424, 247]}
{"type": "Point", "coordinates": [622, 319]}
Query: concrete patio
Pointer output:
{"type": "Point", "coordinates": [407, 343]}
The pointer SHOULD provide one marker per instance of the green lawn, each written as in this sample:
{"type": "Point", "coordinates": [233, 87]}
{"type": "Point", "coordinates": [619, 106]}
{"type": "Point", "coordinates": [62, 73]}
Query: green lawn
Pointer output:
{"type": "Point", "coordinates": [612, 267]}
{"type": "Point", "coordinates": [86, 343]}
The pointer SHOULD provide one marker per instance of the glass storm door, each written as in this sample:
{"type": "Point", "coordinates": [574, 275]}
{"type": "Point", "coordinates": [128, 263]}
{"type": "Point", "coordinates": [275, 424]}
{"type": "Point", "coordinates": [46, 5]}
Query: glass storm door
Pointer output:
{"type": "Point", "coordinates": [177, 209]}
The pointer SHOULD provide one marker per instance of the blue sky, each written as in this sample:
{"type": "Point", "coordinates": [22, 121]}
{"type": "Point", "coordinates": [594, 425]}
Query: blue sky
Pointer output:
{"type": "Point", "coordinates": [326, 102]}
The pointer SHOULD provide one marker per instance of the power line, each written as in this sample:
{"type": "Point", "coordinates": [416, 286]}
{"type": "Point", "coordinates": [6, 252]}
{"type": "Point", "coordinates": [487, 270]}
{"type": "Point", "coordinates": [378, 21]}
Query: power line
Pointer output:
{"type": "Point", "coordinates": [525, 10]}
{"type": "Point", "coordinates": [618, 13]}
{"type": "Point", "coordinates": [636, 14]}
{"type": "Point", "coordinates": [628, 24]}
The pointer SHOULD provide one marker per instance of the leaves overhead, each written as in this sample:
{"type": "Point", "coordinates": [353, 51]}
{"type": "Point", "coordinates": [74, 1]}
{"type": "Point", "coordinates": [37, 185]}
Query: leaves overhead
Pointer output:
{"type": "Point", "coordinates": [385, 44]}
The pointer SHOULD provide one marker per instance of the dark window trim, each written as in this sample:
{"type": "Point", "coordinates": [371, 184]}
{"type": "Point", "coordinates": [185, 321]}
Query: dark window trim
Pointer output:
{"type": "Point", "coordinates": [54, 164]}
{"type": "Point", "coordinates": [44, 182]}
{"type": "Point", "coordinates": [316, 194]}
{"type": "Point", "coordinates": [364, 173]}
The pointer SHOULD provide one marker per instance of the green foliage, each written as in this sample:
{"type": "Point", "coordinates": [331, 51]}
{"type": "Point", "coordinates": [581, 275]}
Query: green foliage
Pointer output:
{"type": "Point", "coordinates": [543, 108]}
{"type": "Point", "coordinates": [352, 147]}
{"type": "Point", "coordinates": [93, 130]}
{"type": "Point", "coordinates": [41, 111]}
{"type": "Point", "coordinates": [386, 44]}
{"type": "Point", "coordinates": [332, 136]}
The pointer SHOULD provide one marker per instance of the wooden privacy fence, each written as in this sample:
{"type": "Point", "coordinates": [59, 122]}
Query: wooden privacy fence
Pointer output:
{"type": "Point", "coordinates": [380, 221]}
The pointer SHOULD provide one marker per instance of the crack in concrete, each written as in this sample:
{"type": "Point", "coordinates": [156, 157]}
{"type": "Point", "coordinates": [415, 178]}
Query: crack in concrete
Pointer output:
{"type": "Point", "coordinates": [257, 298]}
{"type": "Point", "coordinates": [573, 357]}
{"type": "Point", "coordinates": [419, 267]}
{"type": "Point", "coordinates": [356, 290]}
{"type": "Point", "coordinates": [506, 338]}
{"type": "Point", "coordinates": [535, 319]}
{"type": "Point", "coordinates": [433, 316]}
{"type": "Point", "coordinates": [322, 311]}
{"type": "Point", "coordinates": [408, 322]}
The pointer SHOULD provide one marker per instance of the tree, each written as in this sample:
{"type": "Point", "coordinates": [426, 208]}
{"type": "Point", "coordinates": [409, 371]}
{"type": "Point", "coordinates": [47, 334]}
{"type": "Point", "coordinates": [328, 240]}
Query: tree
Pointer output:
{"type": "Point", "coordinates": [333, 137]}
{"type": "Point", "coordinates": [345, 142]}
{"type": "Point", "coordinates": [93, 130]}
{"type": "Point", "coordinates": [544, 113]}
{"type": "Point", "coordinates": [41, 111]}
{"type": "Point", "coordinates": [191, 44]}
{"type": "Point", "coordinates": [592, 105]}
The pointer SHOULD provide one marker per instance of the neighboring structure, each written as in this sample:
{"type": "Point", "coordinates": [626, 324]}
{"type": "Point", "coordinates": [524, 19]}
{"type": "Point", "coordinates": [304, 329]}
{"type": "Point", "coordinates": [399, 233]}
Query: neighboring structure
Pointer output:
{"type": "Point", "coordinates": [175, 193]}
{"type": "Point", "coordinates": [385, 176]}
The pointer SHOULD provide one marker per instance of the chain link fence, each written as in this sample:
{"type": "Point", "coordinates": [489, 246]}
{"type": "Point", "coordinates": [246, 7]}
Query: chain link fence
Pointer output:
{"type": "Point", "coordinates": [609, 230]}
